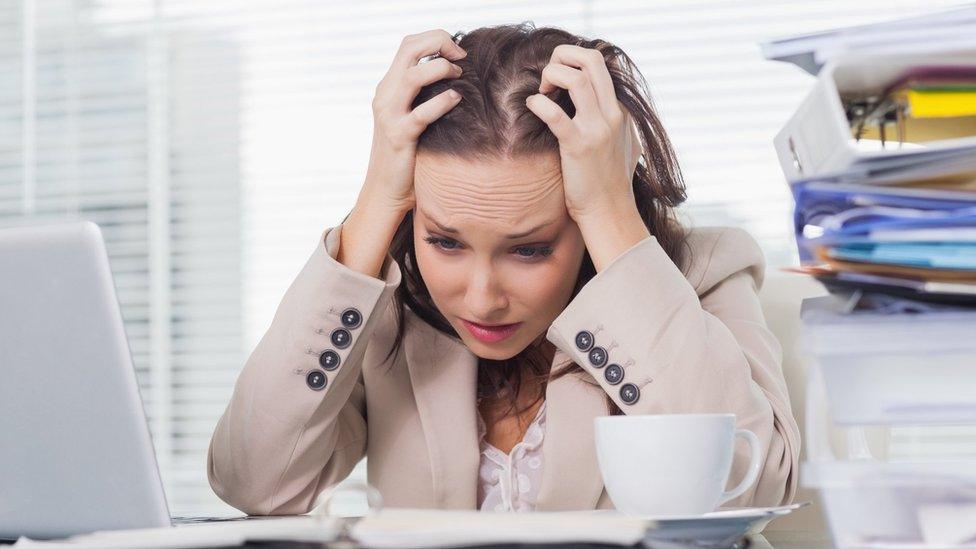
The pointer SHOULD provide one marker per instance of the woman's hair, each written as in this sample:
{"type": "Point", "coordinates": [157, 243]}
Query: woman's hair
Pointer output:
{"type": "Point", "coordinates": [502, 68]}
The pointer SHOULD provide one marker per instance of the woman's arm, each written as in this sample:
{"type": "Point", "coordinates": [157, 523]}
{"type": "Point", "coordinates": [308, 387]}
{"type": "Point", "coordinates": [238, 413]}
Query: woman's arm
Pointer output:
{"type": "Point", "coordinates": [284, 438]}
{"type": "Point", "coordinates": [691, 354]}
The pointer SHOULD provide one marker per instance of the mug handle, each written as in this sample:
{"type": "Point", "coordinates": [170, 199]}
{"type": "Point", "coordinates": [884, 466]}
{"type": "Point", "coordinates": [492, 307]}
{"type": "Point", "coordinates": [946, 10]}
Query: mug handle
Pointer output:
{"type": "Point", "coordinates": [754, 466]}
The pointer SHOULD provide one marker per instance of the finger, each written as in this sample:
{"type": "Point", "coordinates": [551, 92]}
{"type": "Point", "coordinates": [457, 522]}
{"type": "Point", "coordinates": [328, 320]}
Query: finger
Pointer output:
{"type": "Point", "coordinates": [419, 76]}
{"type": "Point", "coordinates": [554, 116]}
{"type": "Point", "coordinates": [580, 90]}
{"type": "Point", "coordinates": [432, 109]}
{"type": "Point", "coordinates": [415, 46]}
{"type": "Point", "coordinates": [594, 65]}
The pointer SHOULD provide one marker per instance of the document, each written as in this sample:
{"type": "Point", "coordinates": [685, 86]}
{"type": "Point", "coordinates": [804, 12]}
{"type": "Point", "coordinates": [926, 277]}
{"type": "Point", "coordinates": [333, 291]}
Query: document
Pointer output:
{"type": "Point", "coordinates": [948, 30]}
{"type": "Point", "coordinates": [913, 243]}
{"type": "Point", "coordinates": [405, 528]}
{"type": "Point", "coordinates": [303, 528]}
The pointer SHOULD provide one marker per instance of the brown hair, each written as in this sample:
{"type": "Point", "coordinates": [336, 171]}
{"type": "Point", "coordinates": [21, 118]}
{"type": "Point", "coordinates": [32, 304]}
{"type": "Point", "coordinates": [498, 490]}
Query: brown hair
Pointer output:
{"type": "Point", "coordinates": [504, 66]}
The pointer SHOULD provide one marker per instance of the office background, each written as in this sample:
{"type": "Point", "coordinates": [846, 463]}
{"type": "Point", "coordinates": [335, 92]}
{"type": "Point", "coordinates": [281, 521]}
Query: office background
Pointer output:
{"type": "Point", "coordinates": [213, 141]}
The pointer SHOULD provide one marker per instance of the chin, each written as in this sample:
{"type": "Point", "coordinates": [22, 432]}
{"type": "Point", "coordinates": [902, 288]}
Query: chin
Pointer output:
{"type": "Point", "coordinates": [492, 352]}
{"type": "Point", "coordinates": [503, 350]}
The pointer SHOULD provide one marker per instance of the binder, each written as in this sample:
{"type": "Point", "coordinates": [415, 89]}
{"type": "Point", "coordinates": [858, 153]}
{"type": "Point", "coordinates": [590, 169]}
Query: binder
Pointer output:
{"type": "Point", "coordinates": [818, 139]}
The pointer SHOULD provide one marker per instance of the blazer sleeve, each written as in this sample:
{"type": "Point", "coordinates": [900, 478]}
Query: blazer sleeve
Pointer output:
{"type": "Point", "coordinates": [281, 441]}
{"type": "Point", "coordinates": [691, 353]}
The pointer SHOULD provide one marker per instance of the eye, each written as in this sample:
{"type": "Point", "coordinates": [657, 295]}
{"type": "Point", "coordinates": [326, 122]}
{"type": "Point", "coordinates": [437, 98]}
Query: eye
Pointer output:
{"type": "Point", "coordinates": [534, 252]}
{"type": "Point", "coordinates": [439, 242]}
{"type": "Point", "coordinates": [525, 253]}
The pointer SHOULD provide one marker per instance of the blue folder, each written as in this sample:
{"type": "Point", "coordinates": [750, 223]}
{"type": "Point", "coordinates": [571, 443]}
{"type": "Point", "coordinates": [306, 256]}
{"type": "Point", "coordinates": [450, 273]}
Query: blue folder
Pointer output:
{"type": "Point", "coordinates": [847, 218]}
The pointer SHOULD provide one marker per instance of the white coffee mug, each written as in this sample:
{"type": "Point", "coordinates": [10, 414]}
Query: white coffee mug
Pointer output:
{"type": "Point", "coordinates": [671, 464]}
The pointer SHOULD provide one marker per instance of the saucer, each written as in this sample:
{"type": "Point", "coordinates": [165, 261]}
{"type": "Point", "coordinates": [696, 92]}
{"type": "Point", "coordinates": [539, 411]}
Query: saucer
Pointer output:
{"type": "Point", "coordinates": [715, 529]}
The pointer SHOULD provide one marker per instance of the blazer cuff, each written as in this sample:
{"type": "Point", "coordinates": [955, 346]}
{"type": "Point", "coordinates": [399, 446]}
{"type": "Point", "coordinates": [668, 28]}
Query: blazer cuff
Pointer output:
{"type": "Point", "coordinates": [322, 327]}
{"type": "Point", "coordinates": [614, 325]}
{"type": "Point", "coordinates": [338, 296]}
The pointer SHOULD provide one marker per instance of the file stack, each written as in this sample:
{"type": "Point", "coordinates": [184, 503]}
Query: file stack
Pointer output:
{"type": "Point", "coordinates": [881, 161]}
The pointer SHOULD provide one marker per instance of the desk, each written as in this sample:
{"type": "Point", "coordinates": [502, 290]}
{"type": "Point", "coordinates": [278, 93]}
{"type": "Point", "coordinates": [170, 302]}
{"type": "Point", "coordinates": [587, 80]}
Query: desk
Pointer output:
{"type": "Point", "coordinates": [776, 540]}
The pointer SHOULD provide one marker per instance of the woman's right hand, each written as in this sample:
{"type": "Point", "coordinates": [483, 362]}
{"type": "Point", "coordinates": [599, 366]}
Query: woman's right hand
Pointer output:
{"type": "Point", "coordinates": [387, 194]}
{"type": "Point", "coordinates": [396, 128]}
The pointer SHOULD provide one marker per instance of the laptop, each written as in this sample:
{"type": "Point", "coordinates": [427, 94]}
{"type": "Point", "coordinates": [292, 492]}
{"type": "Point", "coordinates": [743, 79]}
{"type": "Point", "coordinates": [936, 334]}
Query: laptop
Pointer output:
{"type": "Point", "coordinates": [76, 455]}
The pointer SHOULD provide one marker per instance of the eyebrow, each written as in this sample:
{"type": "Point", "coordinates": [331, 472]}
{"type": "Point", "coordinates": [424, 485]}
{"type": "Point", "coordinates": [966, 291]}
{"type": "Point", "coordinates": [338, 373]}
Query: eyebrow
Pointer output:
{"type": "Point", "coordinates": [452, 230]}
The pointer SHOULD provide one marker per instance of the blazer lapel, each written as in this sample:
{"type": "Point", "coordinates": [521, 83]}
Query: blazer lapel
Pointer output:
{"type": "Point", "coordinates": [443, 373]}
{"type": "Point", "coordinates": [571, 476]}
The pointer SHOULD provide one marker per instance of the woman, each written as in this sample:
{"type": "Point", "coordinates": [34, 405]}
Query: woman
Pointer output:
{"type": "Point", "coordinates": [540, 288]}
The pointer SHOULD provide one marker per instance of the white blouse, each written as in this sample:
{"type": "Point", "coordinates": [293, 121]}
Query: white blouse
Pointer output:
{"type": "Point", "coordinates": [510, 482]}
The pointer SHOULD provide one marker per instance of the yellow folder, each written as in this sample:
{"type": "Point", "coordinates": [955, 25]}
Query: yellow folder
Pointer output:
{"type": "Point", "coordinates": [940, 102]}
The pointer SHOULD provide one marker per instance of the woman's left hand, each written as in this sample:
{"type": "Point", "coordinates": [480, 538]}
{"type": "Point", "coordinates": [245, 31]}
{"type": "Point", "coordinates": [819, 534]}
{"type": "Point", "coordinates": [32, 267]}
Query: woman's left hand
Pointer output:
{"type": "Point", "coordinates": [598, 147]}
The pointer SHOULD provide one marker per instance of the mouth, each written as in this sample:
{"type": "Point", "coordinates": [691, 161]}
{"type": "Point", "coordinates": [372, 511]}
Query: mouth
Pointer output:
{"type": "Point", "coordinates": [491, 334]}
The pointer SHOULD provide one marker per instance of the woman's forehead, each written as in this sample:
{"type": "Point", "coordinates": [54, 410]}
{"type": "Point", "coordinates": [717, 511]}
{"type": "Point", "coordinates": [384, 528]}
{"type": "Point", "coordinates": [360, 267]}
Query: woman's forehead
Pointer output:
{"type": "Point", "coordinates": [520, 175]}
{"type": "Point", "coordinates": [507, 190]}
{"type": "Point", "coordinates": [510, 224]}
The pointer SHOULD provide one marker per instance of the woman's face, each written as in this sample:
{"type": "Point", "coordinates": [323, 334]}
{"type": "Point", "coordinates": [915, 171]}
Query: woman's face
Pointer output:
{"type": "Point", "coordinates": [476, 253]}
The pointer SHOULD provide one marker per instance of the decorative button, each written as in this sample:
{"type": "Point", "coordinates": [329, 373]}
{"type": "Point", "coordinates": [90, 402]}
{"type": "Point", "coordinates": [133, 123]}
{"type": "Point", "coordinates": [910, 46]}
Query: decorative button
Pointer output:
{"type": "Point", "coordinates": [351, 318]}
{"type": "Point", "coordinates": [341, 338]}
{"type": "Point", "coordinates": [316, 380]}
{"type": "Point", "coordinates": [584, 340]}
{"type": "Point", "coordinates": [329, 359]}
{"type": "Point", "coordinates": [614, 374]}
{"type": "Point", "coordinates": [598, 357]}
{"type": "Point", "coordinates": [629, 393]}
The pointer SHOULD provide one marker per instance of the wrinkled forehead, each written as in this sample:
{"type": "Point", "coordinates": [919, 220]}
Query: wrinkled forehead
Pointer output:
{"type": "Point", "coordinates": [509, 193]}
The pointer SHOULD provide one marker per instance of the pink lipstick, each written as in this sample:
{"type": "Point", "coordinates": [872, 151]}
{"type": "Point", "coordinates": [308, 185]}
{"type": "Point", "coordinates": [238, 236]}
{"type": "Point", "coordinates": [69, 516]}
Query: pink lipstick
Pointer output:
{"type": "Point", "coordinates": [491, 334]}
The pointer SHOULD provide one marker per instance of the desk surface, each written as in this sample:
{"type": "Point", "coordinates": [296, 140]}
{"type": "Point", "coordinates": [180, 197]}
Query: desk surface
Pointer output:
{"type": "Point", "coordinates": [776, 539]}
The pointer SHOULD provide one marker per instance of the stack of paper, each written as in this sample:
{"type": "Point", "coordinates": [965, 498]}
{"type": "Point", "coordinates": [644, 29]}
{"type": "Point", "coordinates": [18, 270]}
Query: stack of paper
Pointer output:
{"type": "Point", "coordinates": [888, 363]}
{"type": "Point", "coordinates": [900, 504]}
{"type": "Point", "coordinates": [406, 528]}
{"type": "Point", "coordinates": [949, 30]}
{"type": "Point", "coordinates": [913, 243]}
{"type": "Point", "coordinates": [881, 159]}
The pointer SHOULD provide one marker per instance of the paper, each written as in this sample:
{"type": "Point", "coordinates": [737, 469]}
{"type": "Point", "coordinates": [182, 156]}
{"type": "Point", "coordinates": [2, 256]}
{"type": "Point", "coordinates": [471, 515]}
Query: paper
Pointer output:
{"type": "Point", "coordinates": [948, 525]}
{"type": "Point", "coordinates": [911, 243]}
{"type": "Point", "coordinates": [438, 528]}
{"type": "Point", "coordinates": [949, 30]}
{"type": "Point", "coordinates": [142, 538]}
{"type": "Point", "coordinates": [304, 528]}
{"type": "Point", "coordinates": [426, 528]}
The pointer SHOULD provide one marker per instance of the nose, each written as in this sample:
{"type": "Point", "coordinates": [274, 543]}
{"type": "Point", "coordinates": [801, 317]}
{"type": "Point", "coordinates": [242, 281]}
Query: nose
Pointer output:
{"type": "Point", "coordinates": [485, 298]}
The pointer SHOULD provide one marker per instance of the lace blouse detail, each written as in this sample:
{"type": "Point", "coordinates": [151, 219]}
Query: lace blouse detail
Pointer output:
{"type": "Point", "coordinates": [510, 482]}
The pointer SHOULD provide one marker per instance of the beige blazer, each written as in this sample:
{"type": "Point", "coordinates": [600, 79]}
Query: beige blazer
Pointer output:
{"type": "Point", "coordinates": [695, 343]}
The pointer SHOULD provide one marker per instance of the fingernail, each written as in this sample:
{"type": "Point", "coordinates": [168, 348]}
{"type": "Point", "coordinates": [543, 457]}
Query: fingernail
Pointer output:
{"type": "Point", "coordinates": [461, 50]}
{"type": "Point", "coordinates": [454, 94]}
